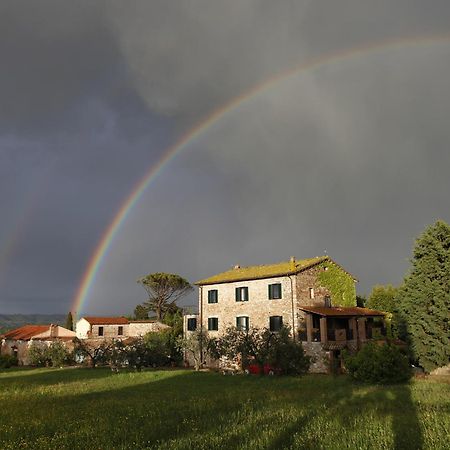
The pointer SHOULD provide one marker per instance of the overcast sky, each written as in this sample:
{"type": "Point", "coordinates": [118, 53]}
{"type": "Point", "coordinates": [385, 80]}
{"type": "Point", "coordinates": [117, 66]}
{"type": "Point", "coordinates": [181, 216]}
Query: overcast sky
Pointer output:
{"type": "Point", "coordinates": [350, 158]}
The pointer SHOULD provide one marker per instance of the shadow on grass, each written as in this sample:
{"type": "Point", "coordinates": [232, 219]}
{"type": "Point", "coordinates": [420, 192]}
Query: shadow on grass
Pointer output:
{"type": "Point", "coordinates": [198, 410]}
{"type": "Point", "coordinates": [48, 376]}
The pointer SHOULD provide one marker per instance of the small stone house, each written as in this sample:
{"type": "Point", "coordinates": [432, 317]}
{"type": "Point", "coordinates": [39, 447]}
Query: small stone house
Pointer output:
{"type": "Point", "coordinates": [17, 342]}
{"type": "Point", "coordinates": [115, 327]}
{"type": "Point", "coordinates": [315, 297]}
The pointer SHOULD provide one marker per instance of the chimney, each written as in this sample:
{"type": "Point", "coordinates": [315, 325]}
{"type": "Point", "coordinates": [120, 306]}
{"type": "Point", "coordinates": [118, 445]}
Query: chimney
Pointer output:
{"type": "Point", "coordinates": [53, 330]}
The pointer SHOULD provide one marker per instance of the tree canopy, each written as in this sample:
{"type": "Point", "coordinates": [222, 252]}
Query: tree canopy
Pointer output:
{"type": "Point", "coordinates": [424, 298]}
{"type": "Point", "coordinates": [163, 290]}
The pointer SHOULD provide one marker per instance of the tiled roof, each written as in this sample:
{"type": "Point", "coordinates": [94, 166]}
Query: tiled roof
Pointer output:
{"type": "Point", "coordinates": [342, 311]}
{"type": "Point", "coordinates": [26, 332]}
{"type": "Point", "coordinates": [107, 320]}
{"type": "Point", "coordinates": [264, 271]}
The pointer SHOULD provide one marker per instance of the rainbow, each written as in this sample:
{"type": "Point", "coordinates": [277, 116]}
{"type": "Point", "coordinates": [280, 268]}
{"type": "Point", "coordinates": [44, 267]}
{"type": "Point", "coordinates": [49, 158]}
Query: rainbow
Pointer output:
{"type": "Point", "coordinates": [101, 251]}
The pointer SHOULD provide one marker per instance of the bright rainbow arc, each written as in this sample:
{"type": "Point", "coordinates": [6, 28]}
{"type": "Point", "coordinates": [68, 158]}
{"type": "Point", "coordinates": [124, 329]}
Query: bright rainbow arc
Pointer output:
{"type": "Point", "coordinates": [105, 242]}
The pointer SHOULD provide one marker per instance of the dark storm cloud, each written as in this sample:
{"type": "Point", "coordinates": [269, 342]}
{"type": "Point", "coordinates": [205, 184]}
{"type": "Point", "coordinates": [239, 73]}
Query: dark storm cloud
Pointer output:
{"type": "Point", "coordinates": [92, 92]}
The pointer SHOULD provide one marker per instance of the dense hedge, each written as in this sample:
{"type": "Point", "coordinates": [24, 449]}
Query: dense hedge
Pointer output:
{"type": "Point", "coordinates": [7, 361]}
{"type": "Point", "coordinates": [382, 364]}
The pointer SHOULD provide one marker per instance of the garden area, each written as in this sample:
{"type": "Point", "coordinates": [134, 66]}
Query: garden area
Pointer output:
{"type": "Point", "coordinates": [177, 409]}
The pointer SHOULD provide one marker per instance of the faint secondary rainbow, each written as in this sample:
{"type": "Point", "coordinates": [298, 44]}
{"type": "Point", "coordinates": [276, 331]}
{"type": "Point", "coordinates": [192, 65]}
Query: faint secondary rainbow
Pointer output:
{"type": "Point", "coordinates": [104, 244]}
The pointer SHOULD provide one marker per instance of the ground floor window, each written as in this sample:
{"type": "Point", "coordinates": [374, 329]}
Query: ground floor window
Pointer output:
{"type": "Point", "coordinates": [242, 323]}
{"type": "Point", "coordinates": [213, 324]}
{"type": "Point", "coordinates": [275, 323]}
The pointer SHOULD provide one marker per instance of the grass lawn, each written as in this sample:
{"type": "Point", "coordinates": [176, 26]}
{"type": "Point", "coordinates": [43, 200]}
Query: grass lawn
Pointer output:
{"type": "Point", "coordinates": [96, 409]}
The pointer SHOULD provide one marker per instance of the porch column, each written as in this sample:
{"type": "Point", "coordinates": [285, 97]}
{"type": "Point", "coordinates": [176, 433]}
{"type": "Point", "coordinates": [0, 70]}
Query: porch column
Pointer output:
{"type": "Point", "coordinates": [309, 326]}
{"type": "Point", "coordinates": [323, 330]}
{"type": "Point", "coordinates": [352, 322]}
{"type": "Point", "coordinates": [362, 328]}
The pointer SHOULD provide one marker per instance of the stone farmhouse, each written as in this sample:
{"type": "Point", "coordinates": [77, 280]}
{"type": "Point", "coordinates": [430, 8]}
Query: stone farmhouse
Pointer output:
{"type": "Point", "coordinates": [115, 327]}
{"type": "Point", "coordinates": [315, 297]}
{"type": "Point", "coordinates": [17, 342]}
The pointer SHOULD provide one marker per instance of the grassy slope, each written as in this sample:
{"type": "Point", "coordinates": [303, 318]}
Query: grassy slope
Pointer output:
{"type": "Point", "coordinates": [95, 409]}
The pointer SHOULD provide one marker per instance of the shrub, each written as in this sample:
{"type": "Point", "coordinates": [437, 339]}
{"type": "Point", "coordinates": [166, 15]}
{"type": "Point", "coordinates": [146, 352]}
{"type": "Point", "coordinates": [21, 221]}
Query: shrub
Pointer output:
{"type": "Point", "coordinates": [262, 347]}
{"type": "Point", "coordinates": [383, 364]}
{"type": "Point", "coordinates": [7, 361]}
{"type": "Point", "coordinates": [38, 355]}
{"type": "Point", "coordinates": [289, 355]}
{"type": "Point", "coordinates": [158, 348]}
{"type": "Point", "coordinates": [55, 355]}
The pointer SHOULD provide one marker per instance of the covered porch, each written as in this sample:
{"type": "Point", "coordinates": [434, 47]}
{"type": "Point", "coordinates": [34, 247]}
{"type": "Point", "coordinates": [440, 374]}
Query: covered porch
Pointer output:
{"type": "Point", "coordinates": [339, 327]}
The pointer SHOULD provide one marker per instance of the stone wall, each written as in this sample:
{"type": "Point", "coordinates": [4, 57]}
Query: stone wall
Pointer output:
{"type": "Point", "coordinates": [140, 328]}
{"type": "Point", "coordinates": [319, 357]}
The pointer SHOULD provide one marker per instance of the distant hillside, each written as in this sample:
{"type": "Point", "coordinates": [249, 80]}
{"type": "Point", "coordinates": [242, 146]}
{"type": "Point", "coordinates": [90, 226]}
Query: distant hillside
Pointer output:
{"type": "Point", "coordinates": [11, 321]}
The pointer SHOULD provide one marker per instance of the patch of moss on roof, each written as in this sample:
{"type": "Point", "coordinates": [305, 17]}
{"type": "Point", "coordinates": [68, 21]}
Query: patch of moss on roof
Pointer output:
{"type": "Point", "coordinates": [264, 271]}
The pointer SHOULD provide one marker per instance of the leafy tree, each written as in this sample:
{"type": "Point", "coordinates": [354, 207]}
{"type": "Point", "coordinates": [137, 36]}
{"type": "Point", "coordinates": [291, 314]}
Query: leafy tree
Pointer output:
{"type": "Point", "coordinates": [138, 354]}
{"type": "Point", "coordinates": [96, 351]}
{"type": "Point", "coordinates": [195, 345]}
{"type": "Point", "coordinates": [38, 354]}
{"type": "Point", "coordinates": [140, 312]}
{"type": "Point", "coordinates": [382, 364]}
{"type": "Point", "coordinates": [55, 354]}
{"type": "Point", "coordinates": [361, 301]}
{"type": "Point", "coordinates": [424, 298]}
{"type": "Point", "coordinates": [163, 290]}
{"type": "Point", "coordinates": [158, 348]}
{"type": "Point", "coordinates": [58, 354]}
{"type": "Point", "coordinates": [69, 321]}
{"type": "Point", "coordinates": [174, 318]}
{"type": "Point", "coordinates": [384, 298]}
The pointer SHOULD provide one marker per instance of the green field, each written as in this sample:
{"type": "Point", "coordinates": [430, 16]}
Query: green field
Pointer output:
{"type": "Point", "coordinates": [96, 409]}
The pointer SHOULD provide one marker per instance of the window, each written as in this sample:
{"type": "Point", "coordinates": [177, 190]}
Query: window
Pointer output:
{"type": "Point", "coordinates": [100, 331]}
{"type": "Point", "coordinates": [120, 332]}
{"type": "Point", "coordinates": [213, 296]}
{"type": "Point", "coordinates": [311, 292]}
{"type": "Point", "coordinates": [275, 323]}
{"type": "Point", "coordinates": [274, 291]}
{"type": "Point", "coordinates": [192, 324]}
{"type": "Point", "coordinates": [213, 323]}
{"type": "Point", "coordinates": [327, 301]}
{"type": "Point", "coordinates": [242, 323]}
{"type": "Point", "coordinates": [242, 294]}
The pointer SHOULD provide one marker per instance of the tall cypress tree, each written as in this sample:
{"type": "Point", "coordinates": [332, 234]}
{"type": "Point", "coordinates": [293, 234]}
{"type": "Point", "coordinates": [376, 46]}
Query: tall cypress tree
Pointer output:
{"type": "Point", "coordinates": [69, 321]}
{"type": "Point", "coordinates": [424, 298]}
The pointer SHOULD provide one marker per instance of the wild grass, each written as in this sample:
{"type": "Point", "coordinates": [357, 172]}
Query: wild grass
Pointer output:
{"type": "Point", "coordinates": [96, 409]}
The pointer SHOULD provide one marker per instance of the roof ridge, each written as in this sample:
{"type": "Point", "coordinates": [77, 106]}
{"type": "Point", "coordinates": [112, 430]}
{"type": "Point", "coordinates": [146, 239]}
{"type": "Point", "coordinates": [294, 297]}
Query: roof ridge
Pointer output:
{"type": "Point", "coordinates": [281, 268]}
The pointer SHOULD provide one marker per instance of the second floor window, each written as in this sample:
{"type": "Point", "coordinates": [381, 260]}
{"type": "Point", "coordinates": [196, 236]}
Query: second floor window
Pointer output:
{"type": "Point", "coordinates": [213, 296]}
{"type": "Point", "coordinates": [327, 301]}
{"type": "Point", "coordinates": [213, 323]}
{"type": "Point", "coordinates": [274, 291]}
{"type": "Point", "coordinates": [100, 331]}
{"type": "Point", "coordinates": [120, 331]}
{"type": "Point", "coordinates": [242, 294]}
{"type": "Point", "coordinates": [242, 323]}
{"type": "Point", "coordinates": [192, 324]}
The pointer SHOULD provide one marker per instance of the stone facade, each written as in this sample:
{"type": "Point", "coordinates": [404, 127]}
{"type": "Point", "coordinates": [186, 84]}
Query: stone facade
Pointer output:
{"type": "Point", "coordinates": [299, 289]}
{"type": "Point", "coordinates": [115, 328]}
